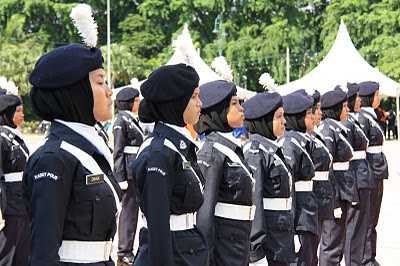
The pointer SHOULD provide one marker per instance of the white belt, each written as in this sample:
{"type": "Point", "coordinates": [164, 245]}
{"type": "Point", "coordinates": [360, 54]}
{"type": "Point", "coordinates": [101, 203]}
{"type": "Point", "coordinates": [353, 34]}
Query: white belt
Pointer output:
{"type": "Point", "coordinates": [13, 177]}
{"type": "Point", "coordinates": [340, 166]}
{"type": "Point", "coordinates": [277, 204]}
{"type": "Point", "coordinates": [131, 149]}
{"type": "Point", "coordinates": [321, 176]}
{"type": "Point", "coordinates": [374, 149]}
{"type": "Point", "coordinates": [179, 222]}
{"type": "Point", "coordinates": [359, 155]}
{"type": "Point", "coordinates": [303, 185]}
{"type": "Point", "coordinates": [235, 212]}
{"type": "Point", "coordinates": [85, 251]}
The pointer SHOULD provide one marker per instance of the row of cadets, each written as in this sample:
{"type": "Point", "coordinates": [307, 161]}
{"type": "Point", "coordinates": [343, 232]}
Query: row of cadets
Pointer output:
{"type": "Point", "coordinates": [167, 179]}
{"type": "Point", "coordinates": [272, 233]}
{"type": "Point", "coordinates": [333, 232]}
{"type": "Point", "coordinates": [128, 136]}
{"type": "Point", "coordinates": [14, 220]}
{"type": "Point", "coordinates": [357, 220]}
{"type": "Point", "coordinates": [227, 213]}
{"type": "Point", "coordinates": [70, 192]}
{"type": "Point", "coordinates": [369, 93]}
{"type": "Point", "coordinates": [296, 149]}
{"type": "Point", "coordinates": [322, 160]}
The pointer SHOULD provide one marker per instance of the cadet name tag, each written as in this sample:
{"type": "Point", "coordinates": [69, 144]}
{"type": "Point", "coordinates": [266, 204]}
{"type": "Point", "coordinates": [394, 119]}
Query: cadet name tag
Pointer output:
{"type": "Point", "coordinates": [186, 165]}
{"type": "Point", "coordinates": [94, 179]}
{"type": "Point", "coordinates": [15, 147]}
{"type": "Point", "coordinates": [234, 164]}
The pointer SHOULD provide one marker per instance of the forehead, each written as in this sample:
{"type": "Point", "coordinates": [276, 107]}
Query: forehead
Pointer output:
{"type": "Point", "coordinates": [98, 73]}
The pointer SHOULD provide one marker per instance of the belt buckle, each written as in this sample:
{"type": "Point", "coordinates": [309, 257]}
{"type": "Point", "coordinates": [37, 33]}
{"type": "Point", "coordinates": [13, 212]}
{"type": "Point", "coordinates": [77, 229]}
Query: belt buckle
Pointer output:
{"type": "Point", "coordinates": [105, 250]}
{"type": "Point", "coordinates": [187, 220]}
{"type": "Point", "coordinates": [250, 211]}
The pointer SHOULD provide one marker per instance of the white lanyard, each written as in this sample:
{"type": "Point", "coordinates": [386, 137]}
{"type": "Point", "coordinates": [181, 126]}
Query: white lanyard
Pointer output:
{"type": "Point", "coordinates": [15, 143]}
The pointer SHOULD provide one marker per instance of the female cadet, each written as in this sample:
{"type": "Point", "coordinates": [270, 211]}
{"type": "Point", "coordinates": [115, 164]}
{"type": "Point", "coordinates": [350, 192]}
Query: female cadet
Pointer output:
{"type": "Point", "coordinates": [357, 221]}
{"type": "Point", "coordinates": [334, 109]}
{"type": "Point", "coordinates": [228, 210]}
{"type": "Point", "coordinates": [70, 192]}
{"type": "Point", "coordinates": [14, 237]}
{"type": "Point", "coordinates": [322, 159]}
{"type": "Point", "coordinates": [369, 93]}
{"type": "Point", "coordinates": [273, 224]}
{"type": "Point", "coordinates": [128, 136]}
{"type": "Point", "coordinates": [296, 149]}
{"type": "Point", "coordinates": [168, 182]}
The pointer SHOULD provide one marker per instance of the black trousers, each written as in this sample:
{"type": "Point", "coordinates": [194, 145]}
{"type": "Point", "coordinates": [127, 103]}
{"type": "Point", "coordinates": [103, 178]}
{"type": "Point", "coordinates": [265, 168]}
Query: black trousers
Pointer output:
{"type": "Point", "coordinates": [375, 209]}
{"type": "Point", "coordinates": [309, 245]}
{"type": "Point", "coordinates": [277, 263]}
{"type": "Point", "coordinates": [14, 241]}
{"type": "Point", "coordinates": [127, 221]}
{"type": "Point", "coordinates": [333, 238]}
{"type": "Point", "coordinates": [357, 227]}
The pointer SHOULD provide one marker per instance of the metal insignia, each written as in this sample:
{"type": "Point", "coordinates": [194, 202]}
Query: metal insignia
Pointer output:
{"type": "Point", "coordinates": [15, 147]}
{"type": "Point", "coordinates": [303, 144]}
{"type": "Point", "coordinates": [186, 165]}
{"type": "Point", "coordinates": [94, 179]}
{"type": "Point", "coordinates": [182, 145]}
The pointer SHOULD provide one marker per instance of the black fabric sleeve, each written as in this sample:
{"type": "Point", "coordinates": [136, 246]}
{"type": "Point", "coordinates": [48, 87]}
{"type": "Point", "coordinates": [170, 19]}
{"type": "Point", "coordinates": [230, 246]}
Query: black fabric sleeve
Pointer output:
{"type": "Point", "coordinates": [119, 131]}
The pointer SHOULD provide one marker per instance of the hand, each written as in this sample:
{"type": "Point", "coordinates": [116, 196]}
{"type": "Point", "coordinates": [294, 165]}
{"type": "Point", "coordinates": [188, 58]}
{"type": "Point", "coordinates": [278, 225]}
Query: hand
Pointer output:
{"type": "Point", "coordinates": [297, 244]}
{"type": "Point", "coordinates": [123, 185]}
{"type": "Point", "coordinates": [337, 213]}
{"type": "Point", "coordinates": [262, 262]}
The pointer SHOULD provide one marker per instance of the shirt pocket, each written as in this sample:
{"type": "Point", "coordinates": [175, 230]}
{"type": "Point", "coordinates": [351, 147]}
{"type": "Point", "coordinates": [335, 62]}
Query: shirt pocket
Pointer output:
{"type": "Point", "coordinates": [279, 220]}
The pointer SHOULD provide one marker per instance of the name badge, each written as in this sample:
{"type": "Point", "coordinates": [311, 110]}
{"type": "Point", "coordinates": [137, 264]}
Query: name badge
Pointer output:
{"type": "Point", "coordinates": [277, 162]}
{"type": "Point", "coordinates": [186, 165]}
{"type": "Point", "coordinates": [94, 179]}
{"type": "Point", "coordinates": [234, 164]}
{"type": "Point", "coordinates": [15, 147]}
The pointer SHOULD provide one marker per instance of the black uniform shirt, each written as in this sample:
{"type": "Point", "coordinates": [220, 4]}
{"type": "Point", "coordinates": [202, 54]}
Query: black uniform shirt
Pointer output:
{"type": "Point", "coordinates": [127, 132]}
{"type": "Point", "coordinates": [375, 135]}
{"type": "Point", "coordinates": [163, 187]}
{"type": "Point", "coordinates": [60, 204]}
{"type": "Point", "coordinates": [13, 156]}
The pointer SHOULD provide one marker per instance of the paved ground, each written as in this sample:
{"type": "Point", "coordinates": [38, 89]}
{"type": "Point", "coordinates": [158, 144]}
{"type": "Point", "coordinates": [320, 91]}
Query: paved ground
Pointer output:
{"type": "Point", "coordinates": [388, 251]}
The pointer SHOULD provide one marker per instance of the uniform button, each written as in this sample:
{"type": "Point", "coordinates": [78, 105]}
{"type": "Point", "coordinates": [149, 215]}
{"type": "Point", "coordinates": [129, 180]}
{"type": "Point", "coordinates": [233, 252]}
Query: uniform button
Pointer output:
{"type": "Point", "coordinates": [97, 197]}
{"type": "Point", "coordinates": [191, 250]}
{"type": "Point", "coordinates": [109, 172]}
{"type": "Point", "coordinates": [190, 182]}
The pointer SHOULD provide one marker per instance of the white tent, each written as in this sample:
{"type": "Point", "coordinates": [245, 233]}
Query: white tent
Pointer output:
{"type": "Point", "coordinates": [342, 64]}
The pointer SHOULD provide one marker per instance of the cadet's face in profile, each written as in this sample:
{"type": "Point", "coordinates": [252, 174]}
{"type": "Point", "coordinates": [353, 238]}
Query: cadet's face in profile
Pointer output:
{"type": "Point", "coordinates": [357, 104]}
{"type": "Point", "coordinates": [136, 103]}
{"type": "Point", "coordinates": [309, 120]}
{"type": "Point", "coordinates": [192, 112]}
{"type": "Point", "coordinates": [345, 112]}
{"type": "Point", "coordinates": [377, 100]}
{"type": "Point", "coordinates": [235, 114]}
{"type": "Point", "coordinates": [317, 115]}
{"type": "Point", "coordinates": [102, 108]}
{"type": "Point", "coordinates": [18, 117]}
{"type": "Point", "coordinates": [278, 124]}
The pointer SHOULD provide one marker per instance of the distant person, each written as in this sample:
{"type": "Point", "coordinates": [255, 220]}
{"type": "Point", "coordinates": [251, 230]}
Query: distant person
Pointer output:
{"type": "Point", "coordinates": [382, 116]}
{"type": "Point", "coordinates": [391, 124]}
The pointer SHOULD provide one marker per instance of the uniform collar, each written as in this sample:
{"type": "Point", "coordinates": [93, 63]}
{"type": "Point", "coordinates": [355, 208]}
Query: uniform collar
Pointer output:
{"type": "Point", "coordinates": [229, 136]}
{"type": "Point", "coordinates": [14, 131]}
{"type": "Point", "coordinates": [271, 144]}
{"type": "Point", "coordinates": [176, 136]}
{"type": "Point", "coordinates": [369, 110]}
{"type": "Point", "coordinates": [214, 136]}
{"type": "Point", "coordinates": [131, 114]}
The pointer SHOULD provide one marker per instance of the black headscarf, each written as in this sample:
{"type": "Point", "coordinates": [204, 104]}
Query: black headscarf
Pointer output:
{"type": "Point", "coordinates": [333, 112]}
{"type": "Point", "coordinates": [296, 122]}
{"type": "Point", "coordinates": [351, 102]}
{"type": "Point", "coordinates": [168, 112]}
{"type": "Point", "coordinates": [214, 118]}
{"type": "Point", "coordinates": [367, 101]}
{"type": "Point", "coordinates": [263, 125]}
{"type": "Point", "coordinates": [125, 105]}
{"type": "Point", "coordinates": [73, 103]}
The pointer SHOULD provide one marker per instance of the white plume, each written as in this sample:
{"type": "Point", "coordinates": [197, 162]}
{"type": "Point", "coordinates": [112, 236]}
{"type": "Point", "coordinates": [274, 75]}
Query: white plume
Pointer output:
{"type": "Point", "coordinates": [222, 68]}
{"type": "Point", "coordinates": [9, 86]}
{"type": "Point", "coordinates": [310, 91]}
{"type": "Point", "coordinates": [343, 87]}
{"type": "Point", "coordinates": [183, 45]}
{"type": "Point", "coordinates": [83, 20]}
{"type": "Point", "coordinates": [267, 82]}
{"type": "Point", "coordinates": [3, 82]}
{"type": "Point", "coordinates": [135, 83]}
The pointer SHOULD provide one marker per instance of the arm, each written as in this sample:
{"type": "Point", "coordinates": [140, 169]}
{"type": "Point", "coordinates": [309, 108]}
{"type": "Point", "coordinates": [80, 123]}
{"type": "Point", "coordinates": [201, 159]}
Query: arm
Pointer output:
{"type": "Point", "coordinates": [47, 201]}
{"type": "Point", "coordinates": [119, 132]}
{"type": "Point", "coordinates": [211, 166]}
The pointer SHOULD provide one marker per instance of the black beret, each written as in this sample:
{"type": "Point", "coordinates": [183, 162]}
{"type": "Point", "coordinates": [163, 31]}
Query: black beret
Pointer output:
{"type": "Point", "coordinates": [368, 87]}
{"type": "Point", "coordinates": [297, 102]}
{"type": "Point", "coordinates": [317, 97]}
{"type": "Point", "coordinates": [127, 94]}
{"type": "Point", "coordinates": [214, 92]}
{"type": "Point", "coordinates": [3, 91]}
{"type": "Point", "coordinates": [9, 100]}
{"type": "Point", "coordinates": [261, 105]}
{"type": "Point", "coordinates": [332, 98]}
{"type": "Point", "coordinates": [64, 66]}
{"type": "Point", "coordinates": [352, 88]}
{"type": "Point", "coordinates": [170, 82]}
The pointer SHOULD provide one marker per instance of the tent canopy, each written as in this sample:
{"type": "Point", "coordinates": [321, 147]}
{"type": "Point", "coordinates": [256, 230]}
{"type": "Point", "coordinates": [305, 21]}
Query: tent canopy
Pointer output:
{"type": "Point", "coordinates": [342, 64]}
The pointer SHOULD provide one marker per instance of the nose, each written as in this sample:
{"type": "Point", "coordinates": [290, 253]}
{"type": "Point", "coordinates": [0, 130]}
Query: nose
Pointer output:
{"type": "Point", "coordinates": [241, 108]}
{"type": "Point", "coordinates": [200, 104]}
{"type": "Point", "coordinates": [109, 91]}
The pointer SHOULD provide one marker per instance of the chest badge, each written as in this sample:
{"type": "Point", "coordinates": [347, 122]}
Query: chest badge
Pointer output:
{"type": "Point", "coordinates": [15, 147]}
{"type": "Point", "coordinates": [303, 144]}
{"type": "Point", "coordinates": [182, 145]}
{"type": "Point", "coordinates": [186, 165]}
{"type": "Point", "coordinates": [94, 179]}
